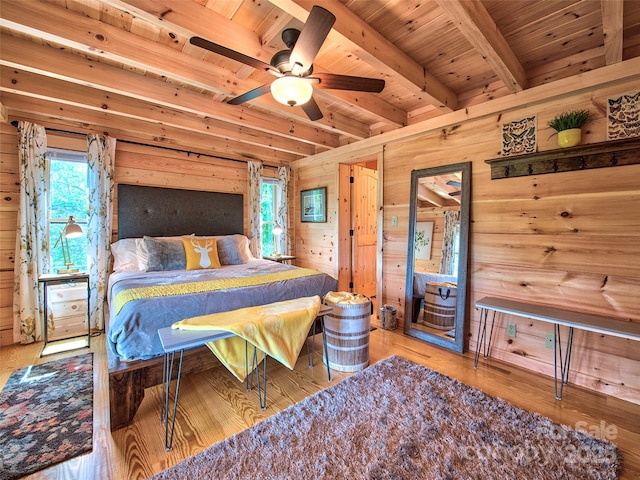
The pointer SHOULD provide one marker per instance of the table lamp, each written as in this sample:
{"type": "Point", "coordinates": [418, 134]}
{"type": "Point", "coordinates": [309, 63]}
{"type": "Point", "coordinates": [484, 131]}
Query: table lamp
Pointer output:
{"type": "Point", "coordinates": [277, 231]}
{"type": "Point", "coordinates": [70, 230]}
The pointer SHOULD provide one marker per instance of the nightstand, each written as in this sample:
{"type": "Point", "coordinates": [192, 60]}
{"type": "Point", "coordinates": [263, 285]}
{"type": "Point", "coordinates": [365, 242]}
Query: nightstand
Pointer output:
{"type": "Point", "coordinates": [279, 258]}
{"type": "Point", "coordinates": [66, 309]}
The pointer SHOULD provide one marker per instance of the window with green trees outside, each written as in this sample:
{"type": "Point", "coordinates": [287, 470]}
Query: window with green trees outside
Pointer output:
{"type": "Point", "coordinates": [269, 200]}
{"type": "Point", "coordinates": [68, 196]}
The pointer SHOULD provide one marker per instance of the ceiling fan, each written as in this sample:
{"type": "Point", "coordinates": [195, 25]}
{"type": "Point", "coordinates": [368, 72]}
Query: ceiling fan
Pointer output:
{"type": "Point", "coordinates": [455, 183]}
{"type": "Point", "coordinates": [294, 67]}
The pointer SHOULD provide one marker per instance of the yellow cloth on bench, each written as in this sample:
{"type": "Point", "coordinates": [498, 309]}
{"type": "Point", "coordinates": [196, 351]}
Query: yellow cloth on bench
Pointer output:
{"type": "Point", "coordinates": [278, 329]}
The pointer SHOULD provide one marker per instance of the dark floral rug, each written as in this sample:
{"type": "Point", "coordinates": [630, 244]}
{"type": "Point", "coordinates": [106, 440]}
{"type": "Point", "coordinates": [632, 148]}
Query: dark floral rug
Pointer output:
{"type": "Point", "coordinates": [46, 415]}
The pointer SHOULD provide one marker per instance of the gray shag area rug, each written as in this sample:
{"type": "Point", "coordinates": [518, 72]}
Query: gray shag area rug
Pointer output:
{"type": "Point", "coordinates": [399, 420]}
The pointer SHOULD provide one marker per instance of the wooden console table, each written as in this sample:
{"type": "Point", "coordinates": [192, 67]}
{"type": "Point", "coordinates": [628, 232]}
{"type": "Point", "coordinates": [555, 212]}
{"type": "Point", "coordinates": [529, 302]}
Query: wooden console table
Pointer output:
{"type": "Point", "coordinates": [559, 317]}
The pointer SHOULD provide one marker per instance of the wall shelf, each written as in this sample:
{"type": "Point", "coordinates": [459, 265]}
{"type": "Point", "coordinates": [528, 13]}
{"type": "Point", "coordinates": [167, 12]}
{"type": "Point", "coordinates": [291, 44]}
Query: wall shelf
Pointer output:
{"type": "Point", "coordinates": [583, 157]}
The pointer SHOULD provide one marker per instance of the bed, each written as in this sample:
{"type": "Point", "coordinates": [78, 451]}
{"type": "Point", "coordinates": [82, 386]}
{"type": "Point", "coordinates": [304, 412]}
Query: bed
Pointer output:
{"type": "Point", "coordinates": [152, 286]}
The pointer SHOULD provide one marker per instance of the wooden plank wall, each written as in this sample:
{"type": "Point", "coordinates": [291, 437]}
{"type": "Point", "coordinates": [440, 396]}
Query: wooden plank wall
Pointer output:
{"type": "Point", "coordinates": [135, 164]}
{"type": "Point", "coordinates": [316, 244]}
{"type": "Point", "coordinates": [9, 202]}
{"type": "Point", "coordinates": [157, 167]}
{"type": "Point", "coordinates": [567, 239]}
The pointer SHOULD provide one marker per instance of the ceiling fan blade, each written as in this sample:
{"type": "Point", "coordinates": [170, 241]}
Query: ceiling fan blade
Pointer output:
{"type": "Point", "coordinates": [455, 194]}
{"type": "Point", "coordinates": [312, 110]}
{"type": "Point", "coordinates": [311, 38]}
{"type": "Point", "coordinates": [454, 183]}
{"type": "Point", "coordinates": [346, 82]}
{"type": "Point", "coordinates": [232, 54]}
{"type": "Point", "coordinates": [250, 95]}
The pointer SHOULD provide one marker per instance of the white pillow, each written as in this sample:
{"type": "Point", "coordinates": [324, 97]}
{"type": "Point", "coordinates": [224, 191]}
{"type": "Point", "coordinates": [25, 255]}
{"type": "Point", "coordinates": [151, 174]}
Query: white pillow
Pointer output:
{"type": "Point", "coordinates": [125, 256]}
{"type": "Point", "coordinates": [143, 255]}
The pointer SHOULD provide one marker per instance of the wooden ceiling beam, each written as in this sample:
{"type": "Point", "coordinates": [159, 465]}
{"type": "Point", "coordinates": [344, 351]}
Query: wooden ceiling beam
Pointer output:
{"type": "Point", "coordinates": [429, 196]}
{"type": "Point", "coordinates": [474, 22]}
{"type": "Point", "coordinates": [364, 42]}
{"type": "Point", "coordinates": [275, 29]}
{"type": "Point", "coordinates": [189, 18]}
{"type": "Point", "coordinates": [97, 39]}
{"type": "Point", "coordinates": [386, 112]}
{"type": "Point", "coordinates": [36, 86]}
{"type": "Point", "coordinates": [77, 69]}
{"type": "Point", "coordinates": [134, 129]}
{"type": "Point", "coordinates": [612, 26]}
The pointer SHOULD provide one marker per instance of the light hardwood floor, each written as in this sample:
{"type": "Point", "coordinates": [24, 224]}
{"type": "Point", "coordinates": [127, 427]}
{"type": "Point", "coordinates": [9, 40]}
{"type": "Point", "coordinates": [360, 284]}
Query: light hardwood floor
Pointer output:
{"type": "Point", "coordinates": [213, 405]}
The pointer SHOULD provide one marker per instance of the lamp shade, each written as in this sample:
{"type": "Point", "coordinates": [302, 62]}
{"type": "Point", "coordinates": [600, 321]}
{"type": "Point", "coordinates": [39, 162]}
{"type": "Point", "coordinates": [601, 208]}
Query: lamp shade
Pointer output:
{"type": "Point", "coordinates": [291, 90]}
{"type": "Point", "coordinates": [277, 229]}
{"type": "Point", "coordinates": [72, 230]}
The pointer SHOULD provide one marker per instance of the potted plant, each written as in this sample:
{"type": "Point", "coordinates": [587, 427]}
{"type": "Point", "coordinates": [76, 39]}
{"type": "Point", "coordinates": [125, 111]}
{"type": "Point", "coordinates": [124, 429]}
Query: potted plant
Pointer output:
{"type": "Point", "coordinates": [568, 125]}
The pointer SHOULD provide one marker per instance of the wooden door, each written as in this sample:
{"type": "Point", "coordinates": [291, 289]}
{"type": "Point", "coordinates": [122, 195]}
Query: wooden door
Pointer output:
{"type": "Point", "coordinates": [364, 212]}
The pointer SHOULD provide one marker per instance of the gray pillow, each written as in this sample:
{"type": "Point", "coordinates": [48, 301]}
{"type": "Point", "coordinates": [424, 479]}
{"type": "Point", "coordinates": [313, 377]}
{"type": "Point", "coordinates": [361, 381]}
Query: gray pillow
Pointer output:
{"type": "Point", "coordinates": [165, 254]}
{"type": "Point", "coordinates": [233, 250]}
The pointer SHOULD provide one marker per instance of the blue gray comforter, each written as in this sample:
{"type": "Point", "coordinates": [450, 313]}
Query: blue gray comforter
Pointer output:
{"type": "Point", "coordinates": [132, 331]}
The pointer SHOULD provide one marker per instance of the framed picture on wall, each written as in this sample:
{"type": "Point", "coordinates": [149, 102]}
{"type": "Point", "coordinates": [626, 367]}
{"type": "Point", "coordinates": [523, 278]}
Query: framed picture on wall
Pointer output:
{"type": "Point", "coordinates": [313, 205]}
{"type": "Point", "coordinates": [424, 236]}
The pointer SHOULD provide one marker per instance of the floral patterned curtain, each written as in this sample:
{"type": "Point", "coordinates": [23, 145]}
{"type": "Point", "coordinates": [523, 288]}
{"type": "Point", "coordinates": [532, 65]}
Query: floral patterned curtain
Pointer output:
{"type": "Point", "coordinates": [282, 215]}
{"type": "Point", "coordinates": [100, 162]}
{"type": "Point", "coordinates": [451, 219]}
{"type": "Point", "coordinates": [32, 241]}
{"type": "Point", "coordinates": [255, 220]}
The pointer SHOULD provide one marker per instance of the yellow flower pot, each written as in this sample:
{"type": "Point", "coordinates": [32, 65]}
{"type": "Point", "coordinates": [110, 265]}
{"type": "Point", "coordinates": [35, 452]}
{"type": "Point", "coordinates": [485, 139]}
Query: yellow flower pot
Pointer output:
{"type": "Point", "coordinates": [569, 138]}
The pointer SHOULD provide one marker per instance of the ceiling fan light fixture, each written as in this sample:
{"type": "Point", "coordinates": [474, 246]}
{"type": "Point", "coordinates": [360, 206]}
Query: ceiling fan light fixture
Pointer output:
{"type": "Point", "coordinates": [291, 90]}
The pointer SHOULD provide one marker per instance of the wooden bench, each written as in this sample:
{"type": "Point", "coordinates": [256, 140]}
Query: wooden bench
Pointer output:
{"type": "Point", "coordinates": [178, 341]}
{"type": "Point", "coordinates": [557, 316]}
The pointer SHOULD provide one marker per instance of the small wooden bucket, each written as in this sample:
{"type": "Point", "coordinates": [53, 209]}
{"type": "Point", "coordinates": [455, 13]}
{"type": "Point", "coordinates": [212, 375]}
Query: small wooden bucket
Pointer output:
{"type": "Point", "coordinates": [440, 305]}
{"type": "Point", "coordinates": [347, 331]}
{"type": "Point", "coordinates": [388, 317]}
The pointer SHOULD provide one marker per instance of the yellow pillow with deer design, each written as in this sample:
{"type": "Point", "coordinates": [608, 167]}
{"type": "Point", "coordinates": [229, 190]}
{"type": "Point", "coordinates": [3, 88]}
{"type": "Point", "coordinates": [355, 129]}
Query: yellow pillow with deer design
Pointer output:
{"type": "Point", "coordinates": [201, 252]}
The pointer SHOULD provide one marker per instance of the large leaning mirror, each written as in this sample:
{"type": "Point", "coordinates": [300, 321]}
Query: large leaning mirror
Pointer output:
{"type": "Point", "coordinates": [435, 301]}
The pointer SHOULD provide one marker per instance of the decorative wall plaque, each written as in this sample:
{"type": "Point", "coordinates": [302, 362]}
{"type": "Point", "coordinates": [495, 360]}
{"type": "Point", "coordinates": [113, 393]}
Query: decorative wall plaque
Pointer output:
{"type": "Point", "coordinates": [623, 116]}
{"type": "Point", "coordinates": [520, 136]}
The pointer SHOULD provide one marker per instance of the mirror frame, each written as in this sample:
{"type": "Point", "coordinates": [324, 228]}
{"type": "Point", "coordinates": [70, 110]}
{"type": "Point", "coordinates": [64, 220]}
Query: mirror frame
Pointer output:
{"type": "Point", "coordinates": [458, 343]}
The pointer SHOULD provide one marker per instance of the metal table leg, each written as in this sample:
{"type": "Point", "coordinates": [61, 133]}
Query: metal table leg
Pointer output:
{"type": "Point", "coordinates": [313, 345]}
{"type": "Point", "coordinates": [324, 347]}
{"type": "Point", "coordinates": [559, 362]}
{"type": "Point", "coordinates": [483, 341]}
{"type": "Point", "coordinates": [262, 387]}
{"type": "Point", "coordinates": [311, 354]}
{"type": "Point", "coordinates": [169, 359]}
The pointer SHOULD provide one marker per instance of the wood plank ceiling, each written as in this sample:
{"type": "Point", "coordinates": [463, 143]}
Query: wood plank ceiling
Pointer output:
{"type": "Point", "coordinates": [126, 67]}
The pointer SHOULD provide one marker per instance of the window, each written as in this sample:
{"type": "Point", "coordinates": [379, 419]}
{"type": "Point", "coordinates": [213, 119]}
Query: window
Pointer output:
{"type": "Point", "coordinates": [269, 195]}
{"type": "Point", "coordinates": [68, 196]}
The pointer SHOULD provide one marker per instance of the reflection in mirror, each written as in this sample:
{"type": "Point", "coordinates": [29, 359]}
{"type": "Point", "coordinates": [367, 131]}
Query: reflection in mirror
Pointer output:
{"type": "Point", "coordinates": [435, 303]}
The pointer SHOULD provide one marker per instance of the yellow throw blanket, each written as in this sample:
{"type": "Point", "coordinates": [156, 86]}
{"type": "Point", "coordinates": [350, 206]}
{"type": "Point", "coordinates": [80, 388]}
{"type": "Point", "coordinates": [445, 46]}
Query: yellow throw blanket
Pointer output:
{"type": "Point", "coordinates": [128, 295]}
{"type": "Point", "coordinates": [277, 329]}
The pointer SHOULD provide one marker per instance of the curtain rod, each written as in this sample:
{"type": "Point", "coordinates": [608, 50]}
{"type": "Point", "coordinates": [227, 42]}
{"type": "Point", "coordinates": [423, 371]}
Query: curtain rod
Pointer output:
{"type": "Point", "coordinates": [188, 152]}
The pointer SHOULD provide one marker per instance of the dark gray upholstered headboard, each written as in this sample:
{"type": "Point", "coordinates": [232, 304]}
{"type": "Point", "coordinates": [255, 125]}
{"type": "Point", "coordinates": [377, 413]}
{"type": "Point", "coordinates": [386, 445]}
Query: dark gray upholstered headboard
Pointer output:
{"type": "Point", "coordinates": [159, 212]}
